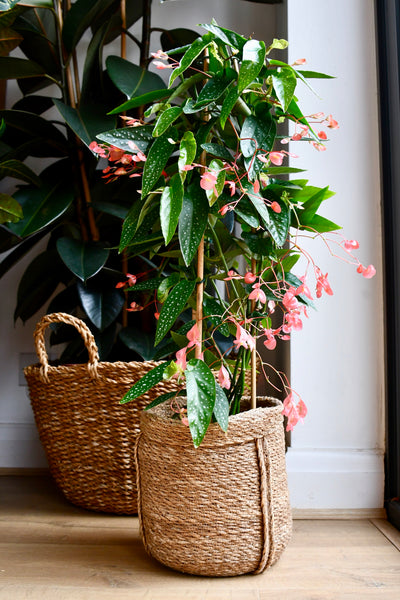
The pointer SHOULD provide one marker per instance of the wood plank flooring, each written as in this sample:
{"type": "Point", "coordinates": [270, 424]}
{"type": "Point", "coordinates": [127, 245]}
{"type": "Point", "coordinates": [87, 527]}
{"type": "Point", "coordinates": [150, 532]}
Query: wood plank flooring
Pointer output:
{"type": "Point", "coordinates": [51, 550]}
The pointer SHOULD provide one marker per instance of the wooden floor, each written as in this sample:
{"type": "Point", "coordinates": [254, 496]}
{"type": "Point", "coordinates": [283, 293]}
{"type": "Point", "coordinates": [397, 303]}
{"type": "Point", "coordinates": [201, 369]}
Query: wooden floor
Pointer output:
{"type": "Point", "coordinates": [50, 550]}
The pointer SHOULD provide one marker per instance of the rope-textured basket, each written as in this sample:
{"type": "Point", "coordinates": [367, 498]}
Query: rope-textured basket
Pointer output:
{"type": "Point", "coordinates": [88, 437]}
{"type": "Point", "coordinates": [221, 509]}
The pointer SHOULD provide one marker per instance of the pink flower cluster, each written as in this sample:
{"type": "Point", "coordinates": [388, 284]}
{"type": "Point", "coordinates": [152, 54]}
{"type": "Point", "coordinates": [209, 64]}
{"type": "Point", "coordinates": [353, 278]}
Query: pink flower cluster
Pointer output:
{"type": "Point", "coordinates": [294, 412]}
{"type": "Point", "coordinates": [126, 164]}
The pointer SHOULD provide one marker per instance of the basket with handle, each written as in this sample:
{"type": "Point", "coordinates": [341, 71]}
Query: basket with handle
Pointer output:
{"type": "Point", "coordinates": [88, 437]}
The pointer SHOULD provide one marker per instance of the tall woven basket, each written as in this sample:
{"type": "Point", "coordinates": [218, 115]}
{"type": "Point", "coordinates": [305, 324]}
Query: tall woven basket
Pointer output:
{"type": "Point", "coordinates": [221, 509]}
{"type": "Point", "coordinates": [88, 437]}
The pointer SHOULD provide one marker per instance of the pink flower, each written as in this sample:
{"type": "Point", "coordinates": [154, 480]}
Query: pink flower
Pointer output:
{"type": "Point", "coordinates": [232, 275]}
{"type": "Point", "coordinates": [369, 272]}
{"type": "Point", "coordinates": [256, 186]}
{"type": "Point", "coordinates": [276, 207]}
{"type": "Point", "coordinates": [292, 322]}
{"type": "Point", "coordinates": [187, 168]}
{"type": "Point", "coordinates": [250, 277]}
{"type": "Point", "coordinates": [224, 209]}
{"type": "Point", "coordinates": [97, 149]}
{"type": "Point", "coordinates": [270, 342]}
{"type": "Point", "coordinates": [130, 281]}
{"type": "Point", "coordinates": [299, 61]}
{"type": "Point", "coordinates": [289, 300]}
{"type": "Point", "coordinates": [292, 412]}
{"type": "Point", "coordinates": [276, 158]}
{"type": "Point", "coordinates": [271, 306]}
{"type": "Point", "coordinates": [135, 307]}
{"type": "Point", "coordinates": [332, 123]}
{"type": "Point", "coordinates": [181, 358]}
{"type": "Point", "coordinates": [304, 289]}
{"type": "Point", "coordinates": [208, 180]}
{"type": "Point", "coordinates": [232, 186]}
{"type": "Point", "coordinates": [193, 335]}
{"type": "Point", "coordinates": [160, 54]}
{"type": "Point", "coordinates": [160, 65]}
{"type": "Point", "coordinates": [243, 338]}
{"type": "Point", "coordinates": [323, 284]}
{"type": "Point", "coordinates": [258, 294]}
{"type": "Point", "coordinates": [318, 146]}
{"type": "Point", "coordinates": [351, 245]}
{"type": "Point", "coordinates": [322, 135]}
{"type": "Point", "coordinates": [223, 378]}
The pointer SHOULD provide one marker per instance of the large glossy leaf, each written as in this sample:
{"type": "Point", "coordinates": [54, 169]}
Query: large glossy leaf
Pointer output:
{"type": "Point", "coordinates": [170, 207]}
{"type": "Point", "coordinates": [10, 210]}
{"type": "Point", "coordinates": [157, 158]}
{"type": "Point", "coordinates": [41, 207]}
{"type": "Point", "coordinates": [18, 68]}
{"type": "Point", "coordinates": [218, 150]}
{"type": "Point", "coordinates": [166, 119]}
{"type": "Point", "coordinates": [246, 210]}
{"type": "Point", "coordinates": [200, 389]}
{"type": "Point", "coordinates": [79, 17]}
{"type": "Point", "coordinates": [139, 341]}
{"type": "Point", "coordinates": [192, 221]}
{"type": "Point", "coordinates": [226, 35]}
{"type": "Point", "coordinates": [24, 127]}
{"type": "Point", "coordinates": [227, 106]}
{"type": "Point", "coordinates": [92, 78]}
{"type": "Point", "coordinates": [83, 259]}
{"type": "Point", "coordinates": [122, 138]}
{"type": "Point", "coordinates": [131, 79]}
{"type": "Point", "coordinates": [102, 306]}
{"type": "Point", "coordinates": [173, 307]}
{"type": "Point", "coordinates": [9, 39]}
{"type": "Point", "coordinates": [252, 63]}
{"type": "Point", "coordinates": [196, 48]}
{"type": "Point", "coordinates": [311, 206]}
{"type": "Point", "coordinates": [257, 136]}
{"type": "Point", "coordinates": [214, 88]}
{"type": "Point", "coordinates": [38, 283]}
{"type": "Point", "coordinates": [18, 170]}
{"type": "Point", "coordinates": [149, 380]}
{"type": "Point", "coordinates": [258, 202]}
{"type": "Point", "coordinates": [87, 121]}
{"type": "Point", "coordinates": [279, 224]}
{"type": "Point", "coordinates": [284, 82]}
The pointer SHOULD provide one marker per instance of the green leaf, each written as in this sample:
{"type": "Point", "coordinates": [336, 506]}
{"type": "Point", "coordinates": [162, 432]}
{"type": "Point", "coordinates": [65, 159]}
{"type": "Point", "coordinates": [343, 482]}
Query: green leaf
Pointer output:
{"type": "Point", "coordinates": [27, 127]}
{"type": "Point", "coordinates": [142, 100]}
{"type": "Point", "coordinates": [320, 224]}
{"type": "Point", "coordinates": [221, 408]}
{"type": "Point", "coordinates": [122, 138]}
{"type": "Point", "coordinates": [161, 399]}
{"type": "Point", "coordinates": [41, 207]}
{"type": "Point", "coordinates": [101, 306]}
{"type": "Point", "coordinates": [252, 63]}
{"type": "Point", "coordinates": [10, 210]}
{"type": "Point", "coordinates": [187, 152]}
{"type": "Point", "coordinates": [229, 102]}
{"type": "Point", "coordinates": [214, 88]}
{"type": "Point", "coordinates": [196, 48]}
{"type": "Point", "coordinates": [129, 226]}
{"type": "Point", "coordinates": [257, 136]}
{"type": "Point", "coordinates": [214, 312]}
{"type": "Point", "coordinates": [83, 259]}
{"type": "Point", "coordinates": [279, 224]}
{"type": "Point", "coordinates": [87, 121]}
{"type": "Point", "coordinates": [174, 305]}
{"type": "Point", "coordinates": [311, 206]}
{"type": "Point", "coordinates": [157, 158]}
{"type": "Point", "coordinates": [282, 170]}
{"type": "Point", "coordinates": [19, 68]}
{"type": "Point", "coordinates": [200, 388]}
{"type": "Point", "coordinates": [18, 170]}
{"type": "Point", "coordinates": [165, 285]}
{"type": "Point", "coordinates": [218, 150]}
{"type": "Point", "coordinates": [227, 36]}
{"type": "Point", "coordinates": [258, 202]}
{"type": "Point", "coordinates": [170, 207]}
{"type": "Point", "coordinates": [166, 119]}
{"type": "Point", "coordinates": [149, 380]}
{"type": "Point", "coordinates": [284, 82]}
{"type": "Point", "coordinates": [79, 18]}
{"type": "Point", "coordinates": [314, 75]}
{"type": "Point", "coordinates": [280, 44]}
{"type": "Point", "coordinates": [192, 220]}
{"type": "Point", "coordinates": [131, 79]}
{"type": "Point", "coordinates": [9, 39]}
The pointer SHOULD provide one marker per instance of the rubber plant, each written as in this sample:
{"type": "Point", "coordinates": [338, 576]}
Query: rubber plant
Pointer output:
{"type": "Point", "coordinates": [224, 219]}
{"type": "Point", "coordinates": [64, 203]}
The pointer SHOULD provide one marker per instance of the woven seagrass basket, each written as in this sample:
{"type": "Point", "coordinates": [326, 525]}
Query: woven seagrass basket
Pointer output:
{"type": "Point", "coordinates": [87, 435]}
{"type": "Point", "coordinates": [221, 509]}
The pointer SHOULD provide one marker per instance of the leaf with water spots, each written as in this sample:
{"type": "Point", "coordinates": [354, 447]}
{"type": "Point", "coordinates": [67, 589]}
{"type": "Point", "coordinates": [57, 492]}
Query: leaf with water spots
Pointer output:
{"type": "Point", "coordinates": [200, 387]}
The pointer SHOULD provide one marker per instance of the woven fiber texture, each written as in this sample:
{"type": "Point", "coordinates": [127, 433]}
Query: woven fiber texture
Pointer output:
{"type": "Point", "coordinates": [221, 509]}
{"type": "Point", "coordinates": [88, 437]}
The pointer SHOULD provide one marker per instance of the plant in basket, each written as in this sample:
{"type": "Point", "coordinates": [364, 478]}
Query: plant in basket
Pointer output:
{"type": "Point", "coordinates": [228, 227]}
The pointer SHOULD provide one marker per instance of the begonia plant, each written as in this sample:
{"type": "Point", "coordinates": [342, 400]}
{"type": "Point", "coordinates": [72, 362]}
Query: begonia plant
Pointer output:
{"type": "Point", "coordinates": [222, 219]}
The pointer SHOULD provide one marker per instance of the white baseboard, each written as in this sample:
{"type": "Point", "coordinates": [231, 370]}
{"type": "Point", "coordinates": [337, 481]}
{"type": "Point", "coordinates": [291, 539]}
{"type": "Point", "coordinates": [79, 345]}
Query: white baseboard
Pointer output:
{"type": "Point", "coordinates": [20, 447]}
{"type": "Point", "coordinates": [343, 479]}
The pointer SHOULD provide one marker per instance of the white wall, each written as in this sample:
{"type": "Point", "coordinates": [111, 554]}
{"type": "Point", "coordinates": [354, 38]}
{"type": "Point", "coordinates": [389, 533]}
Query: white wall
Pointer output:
{"type": "Point", "coordinates": [337, 361]}
{"type": "Point", "coordinates": [336, 457]}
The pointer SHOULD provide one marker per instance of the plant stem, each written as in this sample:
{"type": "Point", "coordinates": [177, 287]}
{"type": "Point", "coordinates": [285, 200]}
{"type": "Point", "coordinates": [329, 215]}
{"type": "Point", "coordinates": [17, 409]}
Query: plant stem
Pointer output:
{"type": "Point", "coordinates": [253, 352]}
{"type": "Point", "coordinates": [144, 51]}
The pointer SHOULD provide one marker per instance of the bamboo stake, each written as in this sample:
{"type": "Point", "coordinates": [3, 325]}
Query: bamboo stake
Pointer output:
{"type": "Point", "coordinates": [253, 353]}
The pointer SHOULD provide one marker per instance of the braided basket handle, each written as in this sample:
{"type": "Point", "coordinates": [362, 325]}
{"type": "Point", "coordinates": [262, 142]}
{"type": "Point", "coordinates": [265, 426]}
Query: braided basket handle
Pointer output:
{"type": "Point", "coordinates": [84, 331]}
